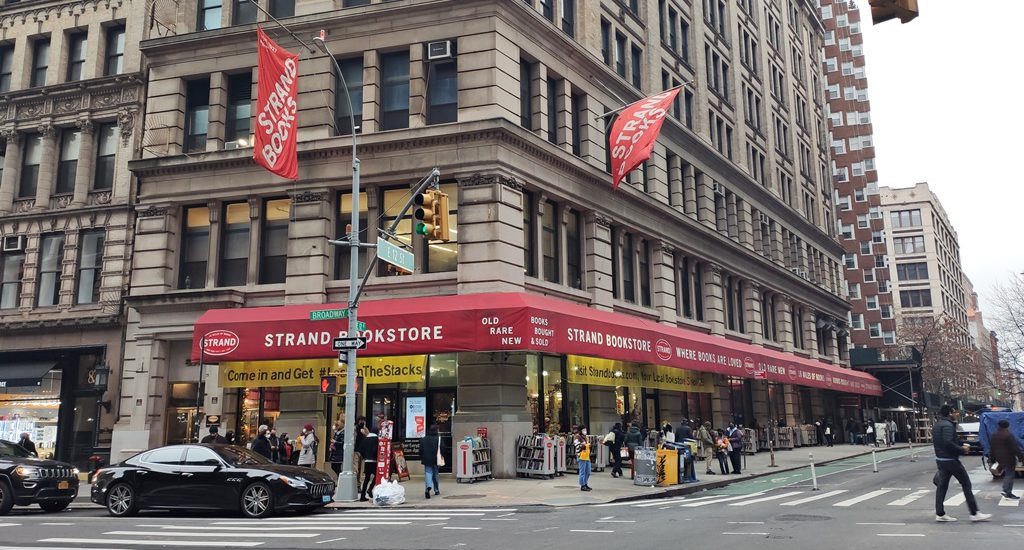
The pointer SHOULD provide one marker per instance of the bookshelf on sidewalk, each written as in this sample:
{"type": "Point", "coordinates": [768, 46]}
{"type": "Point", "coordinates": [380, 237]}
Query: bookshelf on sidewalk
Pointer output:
{"type": "Point", "coordinates": [473, 460]}
{"type": "Point", "coordinates": [535, 456]}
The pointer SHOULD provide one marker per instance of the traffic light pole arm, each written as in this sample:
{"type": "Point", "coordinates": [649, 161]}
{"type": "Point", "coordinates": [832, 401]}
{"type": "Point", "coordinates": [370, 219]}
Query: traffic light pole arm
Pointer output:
{"type": "Point", "coordinates": [428, 181]}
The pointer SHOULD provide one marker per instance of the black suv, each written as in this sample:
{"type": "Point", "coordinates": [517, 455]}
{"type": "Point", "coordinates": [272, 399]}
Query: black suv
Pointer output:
{"type": "Point", "coordinates": [26, 479]}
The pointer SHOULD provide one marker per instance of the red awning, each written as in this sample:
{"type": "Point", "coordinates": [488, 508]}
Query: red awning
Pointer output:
{"type": "Point", "coordinates": [505, 321]}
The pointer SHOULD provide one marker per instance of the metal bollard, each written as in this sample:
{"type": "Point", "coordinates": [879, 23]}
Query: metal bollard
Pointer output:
{"type": "Point", "coordinates": [874, 462]}
{"type": "Point", "coordinates": [913, 453]}
{"type": "Point", "coordinates": [814, 475]}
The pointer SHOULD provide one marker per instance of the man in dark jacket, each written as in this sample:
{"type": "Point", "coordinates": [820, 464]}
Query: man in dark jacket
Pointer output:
{"type": "Point", "coordinates": [616, 449]}
{"type": "Point", "coordinates": [26, 443]}
{"type": "Point", "coordinates": [947, 459]}
{"type": "Point", "coordinates": [1004, 450]}
{"type": "Point", "coordinates": [368, 450]}
{"type": "Point", "coordinates": [736, 440]}
{"type": "Point", "coordinates": [261, 445]}
{"type": "Point", "coordinates": [634, 438]}
{"type": "Point", "coordinates": [214, 437]}
{"type": "Point", "coordinates": [685, 431]}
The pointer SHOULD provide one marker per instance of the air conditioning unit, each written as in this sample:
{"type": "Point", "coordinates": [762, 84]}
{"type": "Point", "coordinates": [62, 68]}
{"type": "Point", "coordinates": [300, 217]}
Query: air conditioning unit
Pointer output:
{"type": "Point", "coordinates": [764, 219]}
{"type": "Point", "coordinates": [800, 272]}
{"type": "Point", "coordinates": [231, 145]}
{"type": "Point", "coordinates": [719, 189]}
{"type": "Point", "coordinates": [14, 243]}
{"type": "Point", "coordinates": [441, 49]}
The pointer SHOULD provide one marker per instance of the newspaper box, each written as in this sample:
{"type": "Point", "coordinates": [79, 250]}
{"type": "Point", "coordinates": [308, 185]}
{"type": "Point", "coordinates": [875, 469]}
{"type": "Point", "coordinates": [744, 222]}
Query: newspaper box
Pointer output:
{"type": "Point", "coordinates": [644, 470]}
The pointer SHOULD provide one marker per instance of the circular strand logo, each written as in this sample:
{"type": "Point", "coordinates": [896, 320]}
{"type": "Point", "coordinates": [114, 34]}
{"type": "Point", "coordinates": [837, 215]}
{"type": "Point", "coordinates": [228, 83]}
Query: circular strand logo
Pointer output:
{"type": "Point", "coordinates": [663, 349]}
{"type": "Point", "coordinates": [220, 342]}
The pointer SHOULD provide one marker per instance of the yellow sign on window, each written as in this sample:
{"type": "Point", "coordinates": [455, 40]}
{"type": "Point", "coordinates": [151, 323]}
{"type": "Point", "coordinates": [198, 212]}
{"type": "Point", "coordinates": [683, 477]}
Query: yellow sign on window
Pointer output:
{"type": "Point", "coordinates": [609, 372]}
{"type": "Point", "coordinates": [374, 370]}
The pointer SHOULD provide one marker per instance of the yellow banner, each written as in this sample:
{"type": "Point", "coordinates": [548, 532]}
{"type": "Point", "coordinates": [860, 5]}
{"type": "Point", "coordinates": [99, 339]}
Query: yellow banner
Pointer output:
{"type": "Point", "coordinates": [374, 370]}
{"type": "Point", "coordinates": [609, 372]}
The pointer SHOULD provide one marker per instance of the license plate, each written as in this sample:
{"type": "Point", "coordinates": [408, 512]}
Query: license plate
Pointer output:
{"type": "Point", "coordinates": [327, 498]}
{"type": "Point", "coordinates": [63, 485]}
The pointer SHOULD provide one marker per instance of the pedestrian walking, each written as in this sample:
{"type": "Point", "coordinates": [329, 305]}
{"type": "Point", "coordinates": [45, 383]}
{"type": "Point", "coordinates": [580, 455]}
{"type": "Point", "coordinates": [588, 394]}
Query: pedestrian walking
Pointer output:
{"type": "Point", "coordinates": [1005, 451]}
{"type": "Point", "coordinates": [869, 434]}
{"type": "Point", "coordinates": [284, 452]}
{"type": "Point", "coordinates": [851, 431]}
{"type": "Point", "coordinates": [947, 460]}
{"type": "Point", "coordinates": [634, 439]}
{"type": "Point", "coordinates": [430, 457]}
{"type": "Point", "coordinates": [618, 439]}
{"type": "Point", "coordinates": [685, 430]}
{"type": "Point", "coordinates": [722, 447]}
{"type": "Point", "coordinates": [892, 432]}
{"type": "Point", "coordinates": [214, 438]}
{"type": "Point", "coordinates": [707, 440]}
{"type": "Point", "coordinates": [307, 457]}
{"type": "Point", "coordinates": [736, 447]}
{"type": "Point", "coordinates": [337, 448]}
{"type": "Point", "coordinates": [368, 450]}
{"type": "Point", "coordinates": [666, 433]}
{"type": "Point", "coordinates": [26, 443]}
{"type": "Point", "coordinates": [582, 447]}
{"type": "Point", "coordinates": [261, 445]}
{"type": "Point", "coordinates": [361, 432]}
{"type": "Point", "coordinates": [275, 445]}
{"type": "Point", "coordinates": [229, 436]}
{"type": "Point", "coordinates": [829, 436]}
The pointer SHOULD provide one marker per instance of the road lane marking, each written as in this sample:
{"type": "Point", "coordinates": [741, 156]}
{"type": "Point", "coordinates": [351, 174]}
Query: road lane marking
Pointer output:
{"type": "Point", "coordinates": [890, 524]}
{"type": "Point", "coordinates": [9, 524]}
{"type": "Point", "coordinates": [959, 498]}
{"type": "Point", "coordinates": [759, 534]}
{"type": "Point", "coordinates": [506, 515]}
{"type": "Point", "coordinates": [1003, 501]}
{"type": "Point", "coordinates": [426, 510]}
{"type": "Point", "coordinates": [318, 524]}
{"type": "Point", "coordinates": [661, 502]}
{"type": "Point", "coordinates": [900, 534]}
{"type": "Point", "coordinates": [330, 540]}
{"type": "Point", "coordinates": [134, 542]}
{"type": "Point", "coordinates": [814, 498]}
{"type": "Point", "coordinates": [261, 530]}
{"type": "Point", "coordinates": [909, 498]}
{"type": "Point", "coordinates": [766, 499]}
{"type": "Point", "coordinates": [544, 529]}
{"type": "Point", "coordinates": [861, 498]}
{"type": "Point", "coordinates": [746, 522]}
{"type": "Point", "coordinates": [728, 499]}
{"type": "Point", "coordinates": [435, 524]}
{"type": "Point", "coordinates": [615, 521]}
{"type": "Point", "coordinates": [209, 534]}
{"type": "Point", "coordinates": [56, 523]}
{"type": "Point", "coordinates": [589, 531]}
{"type": "Point", "coordinates": [499, 519]}
{"type": "Point", "coordinates": [462, 528]}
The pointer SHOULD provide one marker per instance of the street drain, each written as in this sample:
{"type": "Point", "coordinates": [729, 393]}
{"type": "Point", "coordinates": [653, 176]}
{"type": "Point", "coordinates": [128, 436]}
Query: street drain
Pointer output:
{"type": "Point", "coordinates": [801, 517]}
{"type": "Point", "coordinates": [462, 497]}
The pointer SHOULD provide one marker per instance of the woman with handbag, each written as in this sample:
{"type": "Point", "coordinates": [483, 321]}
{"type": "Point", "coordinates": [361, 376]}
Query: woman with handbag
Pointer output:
{"type": "Point", "coordinates": [432, 460]}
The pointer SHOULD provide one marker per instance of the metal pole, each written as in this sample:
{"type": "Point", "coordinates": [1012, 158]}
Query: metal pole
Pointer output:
{"type": "Point", "coordinates": [814, 475]}
{"type": "Point", "coordinates": [347, 482]}
{"type": "Point", "coordinates": [874, 461]}
{"type": "Point", "coordinates": [199, 387]}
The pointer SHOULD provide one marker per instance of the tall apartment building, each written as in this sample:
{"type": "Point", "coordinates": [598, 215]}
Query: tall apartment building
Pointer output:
{"type": "Point", "coordinates": [71, 92]}
{"type": "Point", "coordinates": [992, 386]}
{"type": "Point", "coordinates": [560, 301]}
{"type": "Point", "coordinates": [858, 205]}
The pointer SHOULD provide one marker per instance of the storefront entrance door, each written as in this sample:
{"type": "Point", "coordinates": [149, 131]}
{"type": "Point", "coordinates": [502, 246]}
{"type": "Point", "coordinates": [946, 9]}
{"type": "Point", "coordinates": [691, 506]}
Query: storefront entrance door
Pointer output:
{"type": "Point", "coordinates": [181, 426]}
{"type": "Point", "coordinates": [652, 414]}
{"type": "Point", "coordinates": [440, 409]}
{"type": "Point", "coordinates": [382, 402]}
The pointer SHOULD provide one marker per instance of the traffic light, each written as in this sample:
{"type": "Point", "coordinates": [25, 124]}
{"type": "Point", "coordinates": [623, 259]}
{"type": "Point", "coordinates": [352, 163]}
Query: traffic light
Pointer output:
{"type": "Point", "coordinates": [329, 385]}
{"type": "Point", "coordinates": [432, 215]}
{"type": "Point", "coordinates": [884, 10]}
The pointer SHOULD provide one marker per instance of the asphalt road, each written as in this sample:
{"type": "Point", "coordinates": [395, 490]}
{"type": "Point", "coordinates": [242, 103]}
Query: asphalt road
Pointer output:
{"type": "Point", "coordinates": [853, 508]}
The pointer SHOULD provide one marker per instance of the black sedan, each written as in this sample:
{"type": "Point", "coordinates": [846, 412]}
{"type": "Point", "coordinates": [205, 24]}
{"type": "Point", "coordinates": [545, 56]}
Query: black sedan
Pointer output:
{"type": "Point", "coordinates": [26, 479]}
{"type": "Point", "coordinates": [219, 477]}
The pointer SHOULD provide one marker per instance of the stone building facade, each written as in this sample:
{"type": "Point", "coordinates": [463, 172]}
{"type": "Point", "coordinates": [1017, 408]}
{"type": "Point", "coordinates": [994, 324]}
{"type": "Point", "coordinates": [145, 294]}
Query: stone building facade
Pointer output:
{"type": "Point", "coordinates": [727, 232]}
{"type": "Point", "coordinates": [71, 92]}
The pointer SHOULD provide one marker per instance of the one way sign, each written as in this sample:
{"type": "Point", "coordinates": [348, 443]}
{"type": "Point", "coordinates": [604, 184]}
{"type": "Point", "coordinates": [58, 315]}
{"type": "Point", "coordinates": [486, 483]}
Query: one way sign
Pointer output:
{"type": "Point", "coordinates": [349, 343]}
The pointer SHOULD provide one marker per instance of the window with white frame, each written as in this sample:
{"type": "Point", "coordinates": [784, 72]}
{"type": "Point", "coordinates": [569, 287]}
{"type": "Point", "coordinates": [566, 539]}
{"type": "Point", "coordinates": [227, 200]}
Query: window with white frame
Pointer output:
{"type": "Point", "coordinates": [889, 337]}
{"type": "Point", "coordinates": [839, 146]}
{"type": "Point", "coordinates": [872, 302]}
{"type": "Point", "coordinates": [862, 221]}
{"type": "Point", "coordinates": [854, 290]}
{"type": "Point", "coordinates": [875, 330]}
{"type": "Point", "coordinates": [869, 275]}
{"type": "Point", "coordinates": [850, 260]}
{"type": "Point", "coordinates": [857, 321]}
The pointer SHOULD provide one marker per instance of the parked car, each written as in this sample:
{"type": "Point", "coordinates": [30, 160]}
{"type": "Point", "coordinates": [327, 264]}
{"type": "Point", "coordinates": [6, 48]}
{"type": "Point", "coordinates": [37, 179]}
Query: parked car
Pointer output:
{"type": "Point", "coordinates": [967, 434]}
{"type": "Point", "coordinates": [26, 479]}
{"type": "Point", "coordinates": [218, 477]}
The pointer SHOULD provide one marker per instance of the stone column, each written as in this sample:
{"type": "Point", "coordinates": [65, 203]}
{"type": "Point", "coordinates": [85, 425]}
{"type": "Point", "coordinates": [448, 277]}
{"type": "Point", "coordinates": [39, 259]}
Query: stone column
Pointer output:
{"type": "Point", "coordinates": [309, 265]}
{"type": "Point", "coordinates": [218, 111]}
{"type": "Point", "coordinates": [12, 169]}
{"type": "Point", "coordinates": [752, 311]}
{"type": "Point", "coordinates": [316, 111]}
{"type": "Point", "coordinates": [83, 175]}
{"type": "Point", "coordinates": [675, 182]}
{"type": "Point", "coordinates": [706, 212]}
{"type": "Point", "coordinates": [657, 175]}
{"type": "Point", "coordinates": [721, 408]}
{"type": "Point", "coordinates": [95, 48]}
{"type": "Point", "coordinates": [783, 316]}
{"type": "Point", "coordinates": [789, 400]}
{"type": "Point", "coordinates": [539, 100]}
{"type": "Point", "coordinates": [810, 332]}
{"type": "Point", "coordinates": [775, 233]}
{"type": "Point", "coordinates": [714, 297]}
{"type": "Point", "coordinates": [745, 216]}
{"type": "Point", "coordinates": [759, 398]}
{"type": "Point", "coordinates": [732, 216]}
{"type": "Point", "coordinates": [490, 235]}
{"type": "Point", "coordinates": [47, 166]}
{"type": "Point", "coordinates": [690, 190]}
{"type": "Point", "coordinates": [663, 286]}
{"type": "Point", "coordinates": [417, 87]}
{"type": "Point", "coordinates": [564, 117]}
{"type": "Point", "coordinates": [371, 91]}
{"type": "Point", "coordinates": [492, 395]}
{"type": "Point", "coordinates": [598, 261]}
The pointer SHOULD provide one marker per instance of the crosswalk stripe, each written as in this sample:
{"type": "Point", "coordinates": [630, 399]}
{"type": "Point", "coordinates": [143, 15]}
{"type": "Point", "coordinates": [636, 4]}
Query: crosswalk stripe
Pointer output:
{"type": "Point", "coordinates": [423, 510]}
{"type": "Point", "coordinates": [814, 498]}
{"type": "Point", "coordinates": [958, 499]}
{"type": "Point", "coordinates": [133, 542]}
{"type": "Point", "coordinates": [716, 501]}
{"type": "Point", "coordinates": [368, 521]}
{"type": "Point", "coordinates": [1003, 501]}
{"type": "Point", "coordinates": [219, 527]}
{"type": "Point", "coordinates": [765, 499]}
{"type": "Point", "coordinates": [211, 534]}
{"type": "Point", "coordinates": [696, 499]}
{"type": "Point", "coordinates": [660, 502]}
{"type": "Point", "coordinates": [909, 498]}
{"type": "Point", "coordinates": [862, 498]}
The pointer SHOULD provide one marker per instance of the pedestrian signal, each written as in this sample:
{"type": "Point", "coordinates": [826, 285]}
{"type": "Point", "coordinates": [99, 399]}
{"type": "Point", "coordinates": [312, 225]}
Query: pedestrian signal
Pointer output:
{"type": "Point", "coordinates": [329, 384]}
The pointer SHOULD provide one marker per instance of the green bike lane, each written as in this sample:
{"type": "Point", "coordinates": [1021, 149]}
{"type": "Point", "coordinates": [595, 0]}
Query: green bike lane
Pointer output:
{"type": "Point", "coordinates": [803, 475]}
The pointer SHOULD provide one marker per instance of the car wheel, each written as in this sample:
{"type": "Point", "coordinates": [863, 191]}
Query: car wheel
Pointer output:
{"type": "Point", "coordinates": [121, 500]}
{"type": "Point", "coordinates": [54, 505]}
{"type": "Point", "coordinates": [6, 498]}
{"type": "Point", "coordinates": [257, 500]}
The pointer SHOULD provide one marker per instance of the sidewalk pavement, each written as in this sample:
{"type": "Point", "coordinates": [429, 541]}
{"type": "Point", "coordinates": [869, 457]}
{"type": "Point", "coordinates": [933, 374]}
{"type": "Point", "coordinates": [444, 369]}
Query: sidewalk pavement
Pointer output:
{"type": "Point", "coordinates": [565, 490]}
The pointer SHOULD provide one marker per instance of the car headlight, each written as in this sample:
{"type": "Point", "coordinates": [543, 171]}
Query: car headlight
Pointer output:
{"type": "Point", "coordinates": [75, 472]}
{"type": "Point", "coordinates": [27, 472]}
{"type": "Point", "coordinates": [293, 482]}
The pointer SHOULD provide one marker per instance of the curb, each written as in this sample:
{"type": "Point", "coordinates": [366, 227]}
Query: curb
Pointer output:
{"type": "Point", "coordinates": [672, 492]}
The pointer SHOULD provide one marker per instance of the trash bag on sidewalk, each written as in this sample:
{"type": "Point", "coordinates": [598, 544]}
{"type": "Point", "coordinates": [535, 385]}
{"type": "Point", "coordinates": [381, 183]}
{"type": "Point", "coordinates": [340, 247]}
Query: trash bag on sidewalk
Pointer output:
{"type": "Point", "coordinates": [389, 493]}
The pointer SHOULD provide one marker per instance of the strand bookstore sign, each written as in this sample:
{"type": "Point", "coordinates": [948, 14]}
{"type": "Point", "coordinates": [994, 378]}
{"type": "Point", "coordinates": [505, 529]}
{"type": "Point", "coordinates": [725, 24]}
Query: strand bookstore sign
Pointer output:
{"type": "Point", "coordinates": [512, 322]}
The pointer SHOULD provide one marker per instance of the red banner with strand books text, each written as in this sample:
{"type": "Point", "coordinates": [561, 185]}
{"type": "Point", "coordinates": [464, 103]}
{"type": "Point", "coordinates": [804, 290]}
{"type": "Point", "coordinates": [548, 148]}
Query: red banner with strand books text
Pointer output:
{"type": "Point", "coordinates": [276, 108]}
{"type": "Point", "coordinates": [635, 131]}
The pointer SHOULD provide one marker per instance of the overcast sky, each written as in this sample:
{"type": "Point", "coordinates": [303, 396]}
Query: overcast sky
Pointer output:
{"type": "Point", "coordinates": [945, 93]}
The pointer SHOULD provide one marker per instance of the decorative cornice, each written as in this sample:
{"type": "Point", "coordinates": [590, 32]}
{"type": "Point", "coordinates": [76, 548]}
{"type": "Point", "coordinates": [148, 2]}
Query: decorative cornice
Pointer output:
{"type": "Point", "coordinates": [153, 212]}
{"type": "Point", "coordinates": [478, 179]}
{"type": "Point", "coordinates": [47, 130]}
{"type": "Point", "coordinates": [308, 197]}
{"type": "Point", "coordinates": [602, 220]}
{"type": "Point", "coordinates": [85, 125]}
{"type": "Point", "coordinates": [125, 125]}
{"type": "Point", "coordinates": [63, 101]}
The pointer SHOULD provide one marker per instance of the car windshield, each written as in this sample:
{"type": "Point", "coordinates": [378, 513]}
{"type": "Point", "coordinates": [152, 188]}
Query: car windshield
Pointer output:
{"type": "Point", "coordinates": [240, 456]}
{"type": "Point", "coordinates": [967, 427]}
{"type": "Point", "coordinates": [13, 450]}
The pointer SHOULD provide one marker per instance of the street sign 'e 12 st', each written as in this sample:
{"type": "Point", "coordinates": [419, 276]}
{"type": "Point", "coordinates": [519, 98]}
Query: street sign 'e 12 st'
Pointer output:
{"type": "Point", "coordinates": [394, 255]}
